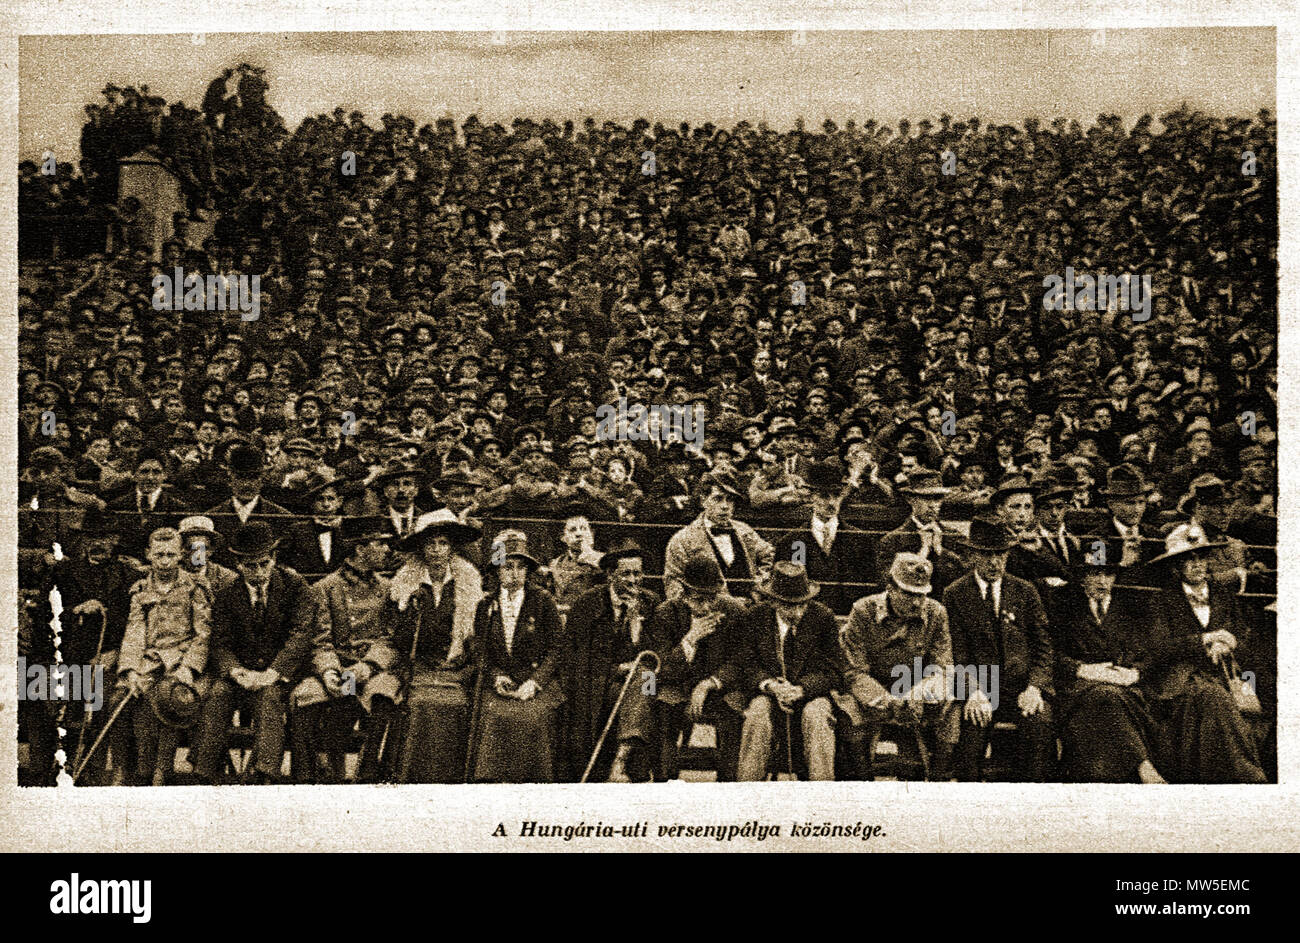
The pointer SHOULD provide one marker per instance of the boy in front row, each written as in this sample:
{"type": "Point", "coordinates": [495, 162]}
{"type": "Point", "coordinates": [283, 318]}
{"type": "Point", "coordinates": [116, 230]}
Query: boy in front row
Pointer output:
{"type": "Point", "coordinates": [166, 637]}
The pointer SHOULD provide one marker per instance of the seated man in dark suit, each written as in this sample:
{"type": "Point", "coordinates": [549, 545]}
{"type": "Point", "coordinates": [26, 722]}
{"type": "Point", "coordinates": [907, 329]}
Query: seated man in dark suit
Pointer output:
{"type": "Point", "coordinates": [1000, 638]}
{"type": "Point", "coordinates": [921, 533]}
{"type": "Point", "coordinates": [262, 632]}
{"type": "Point", "coordinates": [607, 629]}
{"type": "Point", "coordinates": [692, 636]}
{"type": "Point", "coordinates": [787, 660]}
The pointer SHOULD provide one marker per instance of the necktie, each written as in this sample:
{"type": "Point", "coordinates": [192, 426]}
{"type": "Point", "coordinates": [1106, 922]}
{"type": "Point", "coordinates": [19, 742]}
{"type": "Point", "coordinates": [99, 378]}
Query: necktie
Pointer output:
{"type": "Point", "coordinates": [259, 605]}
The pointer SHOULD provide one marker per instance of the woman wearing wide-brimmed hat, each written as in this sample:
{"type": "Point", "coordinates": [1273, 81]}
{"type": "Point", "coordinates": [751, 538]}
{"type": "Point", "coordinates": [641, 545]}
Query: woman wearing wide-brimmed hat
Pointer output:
{"type": "Point", "coordinates": [518, 634]}
{"type": "Point", "coordinates": [1198, 627]}
{"type": "Point", "coordinates": [431, 604]}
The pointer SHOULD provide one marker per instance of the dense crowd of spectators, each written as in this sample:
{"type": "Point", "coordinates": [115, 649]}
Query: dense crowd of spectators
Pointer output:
{"type": "Point", "coordinates": [464, 293]}
{"type": "Point", "coordinates": [448, 315]}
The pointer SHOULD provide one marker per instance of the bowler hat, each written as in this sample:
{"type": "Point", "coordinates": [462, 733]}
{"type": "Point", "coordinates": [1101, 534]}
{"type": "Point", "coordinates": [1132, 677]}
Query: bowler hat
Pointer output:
{"type": "Point", "coordinates": [702, 574]}
{"type": "Point", "coordinates": [253, 539]}
{"type": "Point", "coordinates": [245, 462]}
{"type": "Point", "coordinates": [789, 584]}
{"type": "Point", "coordinates": [987, 536]}
{"type": "Point", "coordinates": [624, 549]}
{"type": "Point", "coordinates": [825, 477]}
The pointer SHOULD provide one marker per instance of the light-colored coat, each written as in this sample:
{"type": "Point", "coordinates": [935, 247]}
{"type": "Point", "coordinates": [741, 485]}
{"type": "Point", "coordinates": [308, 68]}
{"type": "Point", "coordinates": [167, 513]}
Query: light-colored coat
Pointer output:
{"type": "Point", "coordinates": [693, 539]}
{"type": "Point", "coordinates": [166, 631]}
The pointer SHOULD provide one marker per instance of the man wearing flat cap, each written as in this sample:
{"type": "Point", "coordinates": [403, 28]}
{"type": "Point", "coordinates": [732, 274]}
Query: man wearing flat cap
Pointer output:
{"type": "Point", "coordinates": [889, 636]}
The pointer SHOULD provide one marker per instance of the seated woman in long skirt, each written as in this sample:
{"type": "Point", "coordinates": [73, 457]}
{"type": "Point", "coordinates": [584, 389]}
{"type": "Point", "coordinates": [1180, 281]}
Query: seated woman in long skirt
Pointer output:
{"type": "Point", "coordinates": [518, 633]}
{"type": "Point", "coordinates": [431, 604]}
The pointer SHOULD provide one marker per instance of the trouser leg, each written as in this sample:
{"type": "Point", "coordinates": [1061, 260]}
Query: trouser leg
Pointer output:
{"type": "Point", "coordinates": [818, 723]}
{"type": "Point", "coordinates": [214, 727]}
{"type": "Point", "coordinates": [119, 735]}
{"type": "Point", "coordinates": [728, 728]}
{"type": "Point", "coordinates": [268, 720]}
{"type": "Point", "coordinates": [305, 741]}
{"type": "Point", "coordinates": [755, 740]}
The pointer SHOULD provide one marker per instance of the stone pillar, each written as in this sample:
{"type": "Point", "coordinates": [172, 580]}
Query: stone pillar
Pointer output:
{"type": "Point", "coordinates": [143, 176]}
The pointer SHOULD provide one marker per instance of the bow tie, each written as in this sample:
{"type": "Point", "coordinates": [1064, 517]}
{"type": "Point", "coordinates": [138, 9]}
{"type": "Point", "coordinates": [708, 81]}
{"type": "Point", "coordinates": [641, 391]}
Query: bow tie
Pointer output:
{"type": "Point", "coordinates": [322, 528]}
{"type": "Point", "coordinates": [717, 530]}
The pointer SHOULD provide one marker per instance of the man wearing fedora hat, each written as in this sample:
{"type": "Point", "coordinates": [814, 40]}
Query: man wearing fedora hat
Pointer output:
{"type": "Point", "coordinates": [742, 555]}
{"type": "Point", "coordinates": [901, 627]}
{"type": "Point", "coordinates": [787, 661]}
{"type": "Point", "coordinates": [262, 631]}
{"type": "Point", "coordinates": [167, 636]}
{"type": "Point", "coordinates": [353, 661]}
{"type": "Point", "coordinates": [431, 606]}
{"type": "Point", "coordinates": [1199, 628]}
{"type": "Point", "coordinates": [245, 468]}
{"type": "Point", "coordinates": [694, 640]}
{"type": "Point", "coordinates": [95, 583]}
{"type": "Point", "coordinates": [519, 635]}
{"type": "Point", "coordinates": [921, 533]}
{"type": "Point", "coordinates": [1126, 494]}
{"type": "Point", "coordinates": [313, 547]}
{"type": "Point", "coordinates": [997, 620]}
{"type": "Point", "coordinates": [1103, 654]}
{"type": "Point", "coordinates": [1015, 504]}
{"type": "Point", "coordinates": [606, 630]}
{"type": "Point", "coordinates": [818, 544]}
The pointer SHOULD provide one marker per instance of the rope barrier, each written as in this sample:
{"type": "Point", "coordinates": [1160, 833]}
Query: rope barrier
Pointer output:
{"type": "Point", "coordinates": [554, 521]}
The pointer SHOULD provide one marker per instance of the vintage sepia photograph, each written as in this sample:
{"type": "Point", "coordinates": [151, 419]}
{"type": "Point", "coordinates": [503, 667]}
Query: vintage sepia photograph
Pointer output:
{"type": "Point", "coordinates": [646, 407]}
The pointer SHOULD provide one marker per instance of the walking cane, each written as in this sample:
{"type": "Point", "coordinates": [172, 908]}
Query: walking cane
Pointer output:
{"type": "Point", "coordinates": [103, 733]}
{"type": "Point", "coordinates": [613, 714]}
{"type": "Point", "coordinates": [88, 710]}
{"type": "Point", "coordinates": [475, 718]}
{"type": "Point", "coordinates": [399, 765]}
{"type": "Point", "coordinates": [789, 732]}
